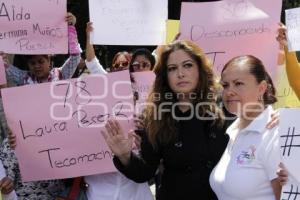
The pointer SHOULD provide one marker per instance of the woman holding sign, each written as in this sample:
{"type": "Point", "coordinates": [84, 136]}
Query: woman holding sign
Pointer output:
{"type": "Point", "coordinates": [248, 167]}
{"type": "Point", "coordinates": [184, 127]}
{"type": "Point", "coordinates": [292, 65]}
{"type": "Point", "coordinates": [40, 71]}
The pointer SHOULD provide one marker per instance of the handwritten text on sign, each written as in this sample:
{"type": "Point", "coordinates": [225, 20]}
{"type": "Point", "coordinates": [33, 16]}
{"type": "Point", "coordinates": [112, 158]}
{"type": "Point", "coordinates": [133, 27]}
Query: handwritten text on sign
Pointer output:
{"type": "Point", "coordinates": [33, 27]}
{"type": "Point", "coordinates": [290, 140]}
{"type": "Point", "coordinates": [292, 20]}
{"type": "Point", "coordinates": [58, 124]}
{"type": "Point", "coordinates": [290, 191]}
{"type": "Point", "coordinates": [133, 22]}
{"type": "Point", "coordinates": [226, 29]}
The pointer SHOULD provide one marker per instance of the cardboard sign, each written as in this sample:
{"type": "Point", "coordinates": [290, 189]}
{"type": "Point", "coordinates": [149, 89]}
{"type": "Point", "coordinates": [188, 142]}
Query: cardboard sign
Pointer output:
{"type": "Point", "coordinates": [58, 124]}
{"type": "Point", "coordinates": [33, 27]}
{"type": "Point", "coordinates": [133, 22]}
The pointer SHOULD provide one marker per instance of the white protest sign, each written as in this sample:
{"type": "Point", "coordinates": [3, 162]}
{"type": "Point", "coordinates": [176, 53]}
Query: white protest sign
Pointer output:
{"type": "Point", "coordinates": [290, 191]}
{"type": "Point", "coordinates": [123, 22]}
{"type": "Point", "coordinates": [292, 20]}
{"type": "Point", "coordinates": [289, 130]}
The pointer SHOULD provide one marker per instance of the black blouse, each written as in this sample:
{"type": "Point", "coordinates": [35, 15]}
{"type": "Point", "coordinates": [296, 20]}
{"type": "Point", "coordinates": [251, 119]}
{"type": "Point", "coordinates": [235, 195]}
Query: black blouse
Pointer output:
{"type": "Point", "coordinates": [187, 162]}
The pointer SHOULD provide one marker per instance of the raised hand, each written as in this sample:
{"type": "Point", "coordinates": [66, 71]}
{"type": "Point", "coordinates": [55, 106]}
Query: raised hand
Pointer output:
{"type": "Point", "coordinates": [281, 38]}
{"type": "Point", "coordinates": [12, 139]}
{"type": "Point", "coordinates": [89, 28]}
{"type": "Point", "coordinates": [5, 58]}
{"type": "Point", "coordinates": [116, 140]}
{"type": "Point", "coordinates": [70, 18]}
{"type": "Point", "coordinates": [282, 174]}
{"type": "Point", "coordinates": [6, 185]}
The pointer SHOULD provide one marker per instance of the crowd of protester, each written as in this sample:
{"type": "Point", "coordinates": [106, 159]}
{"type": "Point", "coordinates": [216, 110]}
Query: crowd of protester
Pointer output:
{"type": "Point", "coordinates": [185, 158]}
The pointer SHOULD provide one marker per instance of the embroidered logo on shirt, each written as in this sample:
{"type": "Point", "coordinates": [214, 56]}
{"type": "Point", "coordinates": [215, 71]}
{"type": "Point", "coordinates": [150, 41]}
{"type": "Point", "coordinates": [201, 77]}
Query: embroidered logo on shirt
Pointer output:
{"type": "Point", "coordinates": [246, 157]}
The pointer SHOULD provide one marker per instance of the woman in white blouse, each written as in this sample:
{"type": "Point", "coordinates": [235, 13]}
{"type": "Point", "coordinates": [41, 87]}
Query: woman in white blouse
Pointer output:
{"type": "Point", "coordinates": [247, 169]}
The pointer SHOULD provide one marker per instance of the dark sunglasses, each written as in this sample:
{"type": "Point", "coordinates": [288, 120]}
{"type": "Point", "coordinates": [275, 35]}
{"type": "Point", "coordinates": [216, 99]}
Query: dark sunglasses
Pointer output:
{"type": "Point", "coordinates": [121, 64]}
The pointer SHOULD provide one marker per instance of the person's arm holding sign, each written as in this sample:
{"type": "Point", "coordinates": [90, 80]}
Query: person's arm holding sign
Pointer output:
{"type": "Point", "coordinates": [69, 67]}
{"type": "Point", "coordinates": [20, 77]}
{"type": "Point", "coordinates": [92, 63]}
{"type": "Point", "coordinates": [292, 65]}
{"type": "Point", "coordinates": [13, 73]}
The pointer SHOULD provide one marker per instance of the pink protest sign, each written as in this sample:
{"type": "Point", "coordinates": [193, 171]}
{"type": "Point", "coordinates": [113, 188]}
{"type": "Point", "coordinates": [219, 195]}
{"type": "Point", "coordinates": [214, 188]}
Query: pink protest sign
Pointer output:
{"type": "Point", "coordinates": [58, 124]}
{"type": "Point", "coordinates": [33, 27]}
{"type": "Point", "coordinates": [226, 29]}
{"type": "Point", "coordinates": [2, 72]}
{"type": "Point", "coordinates": [142, 84]}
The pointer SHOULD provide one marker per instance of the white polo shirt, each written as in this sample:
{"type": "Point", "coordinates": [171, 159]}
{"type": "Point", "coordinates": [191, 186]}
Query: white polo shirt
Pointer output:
{"type": "Point", "coordinates": [249, 163]}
